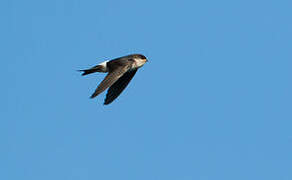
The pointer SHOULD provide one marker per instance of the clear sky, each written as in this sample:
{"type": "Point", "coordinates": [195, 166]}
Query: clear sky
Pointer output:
{"type": "Point", "coordinates": [213, 102]}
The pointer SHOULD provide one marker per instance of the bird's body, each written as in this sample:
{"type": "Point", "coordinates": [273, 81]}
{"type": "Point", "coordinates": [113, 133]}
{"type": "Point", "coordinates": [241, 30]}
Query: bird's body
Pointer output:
{"type": "Point", "coordinates": [120, 72]}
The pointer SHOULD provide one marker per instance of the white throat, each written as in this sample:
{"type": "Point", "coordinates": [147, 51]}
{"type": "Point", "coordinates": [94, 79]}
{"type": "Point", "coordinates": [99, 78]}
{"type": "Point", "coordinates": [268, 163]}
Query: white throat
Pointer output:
{"type": "Point", "coordinates": [138, 63]}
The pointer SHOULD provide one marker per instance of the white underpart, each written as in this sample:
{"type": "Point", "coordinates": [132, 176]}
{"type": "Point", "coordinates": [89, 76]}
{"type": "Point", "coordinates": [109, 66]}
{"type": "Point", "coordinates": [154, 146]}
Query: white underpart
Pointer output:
{"type": "Point", "coordinates": [138, 63]}
{"type": "Point", "coordinates": [103, 64]}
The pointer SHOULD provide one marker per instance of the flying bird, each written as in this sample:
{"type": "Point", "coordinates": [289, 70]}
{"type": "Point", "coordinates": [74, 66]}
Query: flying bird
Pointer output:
{"type": "Point", "coordinates": [120, 72]}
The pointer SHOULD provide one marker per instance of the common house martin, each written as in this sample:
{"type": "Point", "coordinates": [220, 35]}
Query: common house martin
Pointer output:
{"type": "Point", "coordinates": [120, 72]}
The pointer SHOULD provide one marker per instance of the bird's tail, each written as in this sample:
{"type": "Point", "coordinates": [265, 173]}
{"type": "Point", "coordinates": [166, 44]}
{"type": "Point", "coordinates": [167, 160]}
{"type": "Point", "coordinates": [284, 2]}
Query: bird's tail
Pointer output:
{"type": "Point", "coordinates": [94, 69]}
{"type": "Point", "coordinates": [87, 71]}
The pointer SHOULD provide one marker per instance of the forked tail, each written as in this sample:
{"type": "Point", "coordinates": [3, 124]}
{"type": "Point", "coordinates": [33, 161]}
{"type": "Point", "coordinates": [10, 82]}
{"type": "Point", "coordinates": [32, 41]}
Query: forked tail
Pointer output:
{"type": "Point", "coordinates": [94, 69]}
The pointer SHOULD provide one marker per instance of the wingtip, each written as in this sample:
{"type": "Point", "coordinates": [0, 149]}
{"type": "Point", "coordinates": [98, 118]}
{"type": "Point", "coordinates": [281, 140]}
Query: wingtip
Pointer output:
{"type": "Point", "coordinates": [106, 103]}
{"type": "Point", "coordinates": [92, 96]}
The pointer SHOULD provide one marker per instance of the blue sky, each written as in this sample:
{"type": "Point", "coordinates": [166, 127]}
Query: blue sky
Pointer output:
{"type": "Point", "coordinates": [214, 101]}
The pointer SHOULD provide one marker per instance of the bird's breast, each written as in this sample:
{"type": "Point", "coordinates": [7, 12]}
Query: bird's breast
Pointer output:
{"type": "Point", "coordinates": [137, 64]}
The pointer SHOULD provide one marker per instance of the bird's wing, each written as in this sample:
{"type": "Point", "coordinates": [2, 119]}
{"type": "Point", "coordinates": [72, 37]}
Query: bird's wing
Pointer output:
{"type": "Point", "coordinates": [110, 79]}
{"type": "Point", "coordinates": [116, 89]}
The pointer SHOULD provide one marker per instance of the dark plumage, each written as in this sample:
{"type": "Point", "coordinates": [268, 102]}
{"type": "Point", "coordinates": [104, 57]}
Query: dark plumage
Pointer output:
{"type": "Point", "coordinates": [120, 72]}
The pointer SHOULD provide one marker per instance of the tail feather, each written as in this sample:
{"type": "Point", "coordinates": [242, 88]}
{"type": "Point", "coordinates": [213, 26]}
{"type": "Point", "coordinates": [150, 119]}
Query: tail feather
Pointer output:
{"type": "Point", "coordinates": [87, 71]}
{"type": "Point", "coordinates": [94, 69]}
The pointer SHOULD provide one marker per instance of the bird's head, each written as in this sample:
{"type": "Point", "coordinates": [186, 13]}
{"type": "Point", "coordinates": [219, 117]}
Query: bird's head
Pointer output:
{"type": "Point", "coordinates": [140, 59]}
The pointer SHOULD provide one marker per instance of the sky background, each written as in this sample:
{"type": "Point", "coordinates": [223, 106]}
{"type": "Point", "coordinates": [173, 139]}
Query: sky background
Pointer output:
{"type": "Point", "coordinates": [213, 102]}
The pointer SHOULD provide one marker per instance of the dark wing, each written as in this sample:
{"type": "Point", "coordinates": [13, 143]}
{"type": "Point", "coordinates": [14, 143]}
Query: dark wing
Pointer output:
{"type": "Point", "coordinates": [110, 79]}
{"type": "Point", "coordinates": [116, 89]}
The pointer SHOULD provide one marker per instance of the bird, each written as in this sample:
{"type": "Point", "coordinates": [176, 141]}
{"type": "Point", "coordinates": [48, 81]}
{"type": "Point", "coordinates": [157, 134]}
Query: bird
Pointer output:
{"type": "Point", "coordinates": [120, 72]}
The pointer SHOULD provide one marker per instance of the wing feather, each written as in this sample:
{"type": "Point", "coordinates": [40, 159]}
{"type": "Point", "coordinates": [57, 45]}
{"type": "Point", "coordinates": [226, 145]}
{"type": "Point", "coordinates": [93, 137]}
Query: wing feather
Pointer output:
{"type": "Point", "coordinates": [110, 79]}
{"type": "Point", "coordinates": [116, 89]}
